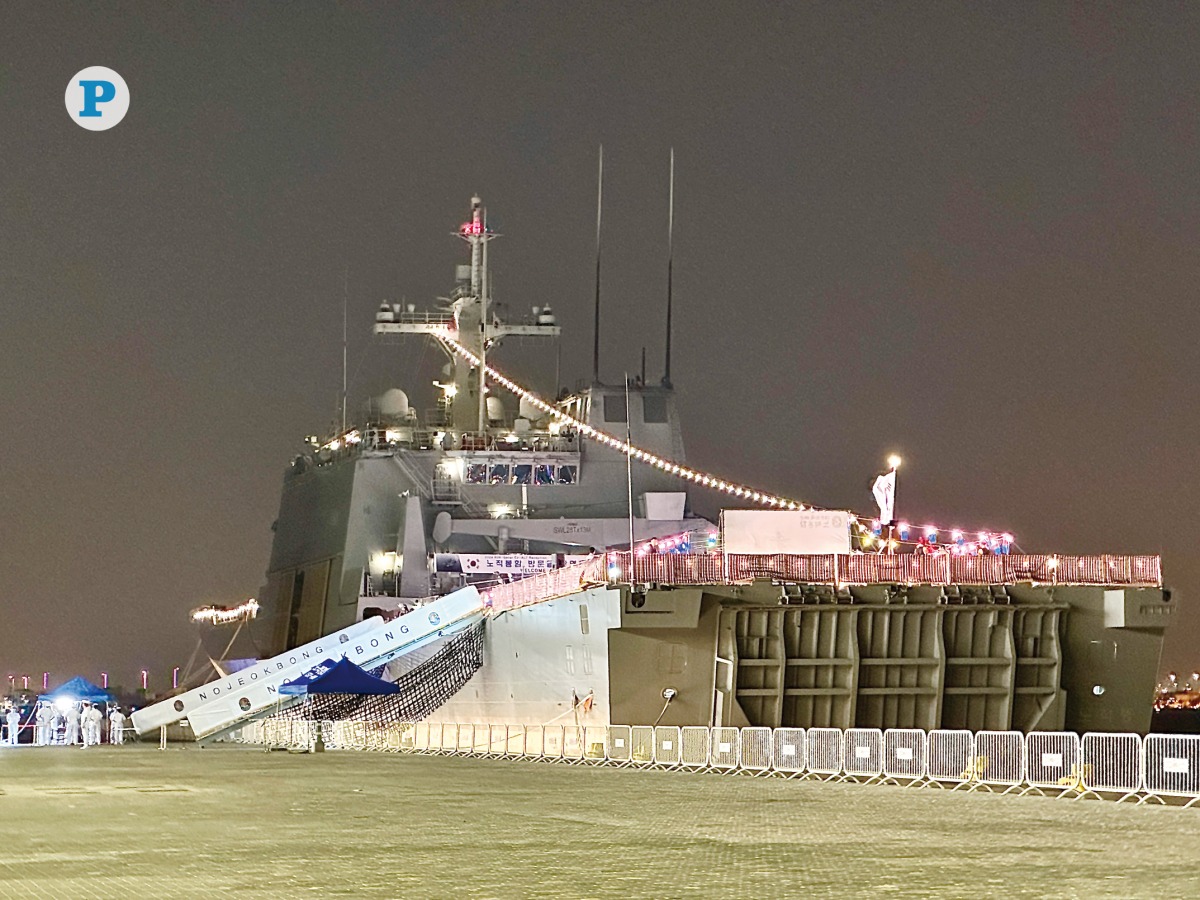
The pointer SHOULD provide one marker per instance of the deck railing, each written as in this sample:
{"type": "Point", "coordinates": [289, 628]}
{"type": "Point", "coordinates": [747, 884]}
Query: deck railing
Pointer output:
{"type": "Point", "coordinates": [840, 570]}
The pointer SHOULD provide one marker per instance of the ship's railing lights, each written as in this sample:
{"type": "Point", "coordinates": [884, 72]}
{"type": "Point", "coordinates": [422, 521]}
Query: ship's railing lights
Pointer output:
{"type": "Point", "coordinates": [500, 510]}
{"type": "Point", "coordinates": [511, 438]}
{"type": "Point", "coordinates": [391, 435]}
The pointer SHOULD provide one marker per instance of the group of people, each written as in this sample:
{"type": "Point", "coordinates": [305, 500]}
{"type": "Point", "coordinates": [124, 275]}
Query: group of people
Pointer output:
{"type": "Point", "coordinates": [68, 722]}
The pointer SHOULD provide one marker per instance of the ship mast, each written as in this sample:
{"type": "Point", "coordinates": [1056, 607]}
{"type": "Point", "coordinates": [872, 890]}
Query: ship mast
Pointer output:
{"type": "Point", "coordinates": [473, 324]}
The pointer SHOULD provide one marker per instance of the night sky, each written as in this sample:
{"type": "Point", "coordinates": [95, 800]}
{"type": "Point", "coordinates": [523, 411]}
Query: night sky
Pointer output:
{"type": "Point", "coordinates": [963, 232]}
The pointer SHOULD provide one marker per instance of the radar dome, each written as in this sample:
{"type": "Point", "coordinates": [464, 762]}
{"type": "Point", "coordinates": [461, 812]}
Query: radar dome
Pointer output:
{"type": "Point", "coordinates": [393, 403]}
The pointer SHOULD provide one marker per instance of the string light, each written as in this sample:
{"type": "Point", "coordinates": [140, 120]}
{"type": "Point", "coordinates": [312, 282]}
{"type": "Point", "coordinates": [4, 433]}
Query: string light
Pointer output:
{"type": "Point", "coordinates": [223, 615]}
{"type": "Point", "coordinates": [674, 468]}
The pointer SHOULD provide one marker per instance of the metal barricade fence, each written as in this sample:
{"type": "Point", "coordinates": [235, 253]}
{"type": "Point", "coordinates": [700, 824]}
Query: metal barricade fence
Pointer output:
{"type": "Point", "coordinates": [433, 737]}
{"type": "Point", "coordinates": [617, 743]}
{"type": "Point", "coordinates": [1166, 765]}
{"type": "Point", "coordinates": [595, 741]}
{"type": "Point", "coordinates": [864, 752]}
{"type": "Point", "coordinates": [950, 756]}
{"type": "Point", "coordinates": [466, 739]}
{"type": "Point", "coordinates": [515, 743]}
{"type": "Point", "coordinates": [723, 751]}
{"type": "Point", "coordinates": [788, 750]}
{"type": "Point", "coordinates": [641, 749]}
{"type": "Point", "coordinates": [552, 741]}
{"type": "Point", "coordinates": [1171, 764]}
{"type": "Point", "coordinates": [1052, 759]}
{"type": "Point", "coordinates": [574, 742]}
{"type": "Point", "coordinates": [999, 758]}
{"type": "Point", "coordinates": [824, 751]}
{"type": "Point", "coordinates": [667, 749]}
{"type": "Point", "coordinates": [533, 741]}
{"type": "Point", "coordinates": [904, 753]}
{"type": "Point", "coordinates": [755, 750]}
{"type": "Point", "coordinates": [1111, 762]}
{"type": "Point", "coordinates": [695, 739]}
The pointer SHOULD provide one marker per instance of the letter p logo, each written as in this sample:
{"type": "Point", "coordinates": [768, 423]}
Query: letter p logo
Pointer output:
{"type": "Point", "coordinates": [97, 98]}
{"type": "Point", "coordinates": [95, 93]}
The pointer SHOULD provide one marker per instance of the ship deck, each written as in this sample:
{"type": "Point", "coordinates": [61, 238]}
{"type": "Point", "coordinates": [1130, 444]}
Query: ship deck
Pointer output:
{"type": "Point", "coordinates": [133, 821]}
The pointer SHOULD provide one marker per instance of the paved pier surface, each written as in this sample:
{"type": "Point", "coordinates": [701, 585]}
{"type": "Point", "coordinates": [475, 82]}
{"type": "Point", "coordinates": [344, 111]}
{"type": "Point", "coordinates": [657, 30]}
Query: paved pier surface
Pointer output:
{"type": "Point", "coordinates": [232, 821]}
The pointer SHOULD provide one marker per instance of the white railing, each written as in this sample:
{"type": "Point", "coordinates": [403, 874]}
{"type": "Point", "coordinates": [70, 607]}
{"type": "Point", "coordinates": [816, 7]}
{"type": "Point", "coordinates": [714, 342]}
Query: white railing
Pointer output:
{"type": "Point", "coordinates": [1058, 763]}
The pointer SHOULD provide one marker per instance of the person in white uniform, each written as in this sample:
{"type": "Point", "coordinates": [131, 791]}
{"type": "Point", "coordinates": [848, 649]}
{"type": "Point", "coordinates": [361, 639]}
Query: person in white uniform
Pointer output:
{"type": "Point", "coordinates": [14, 724]}
{"type": "Point", "coordinates": [116, 726]}
{"type": "Point", "coordinates": [92, 717]}
{"type": "Point", "coordinates": [72, 716]}
{"type": "Point", "coordinates": [41, 726]}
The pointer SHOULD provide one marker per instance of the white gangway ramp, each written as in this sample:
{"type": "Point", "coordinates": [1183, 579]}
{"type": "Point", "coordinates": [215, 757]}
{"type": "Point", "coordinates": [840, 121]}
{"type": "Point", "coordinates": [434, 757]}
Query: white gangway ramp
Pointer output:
{"type": "Point", "coordinates": [253, 692]}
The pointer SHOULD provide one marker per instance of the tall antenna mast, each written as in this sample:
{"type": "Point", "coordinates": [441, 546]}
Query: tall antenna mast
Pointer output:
{"type": "Point", "coordinates": [670, 264]}
{"type": "Point", "coordinates": [345, 303]}
{"type": "Point", "coordinates": [596, 330]}
{"type": "Point", "coordinates": [629, 476]}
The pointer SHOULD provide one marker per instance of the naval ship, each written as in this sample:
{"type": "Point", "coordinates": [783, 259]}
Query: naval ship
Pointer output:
{"type": "Point", "coordinates": [610, 601]}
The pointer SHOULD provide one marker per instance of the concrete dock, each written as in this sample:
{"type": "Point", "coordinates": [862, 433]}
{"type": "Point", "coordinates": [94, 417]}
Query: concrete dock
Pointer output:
{"type": "Point", "coordinates": [235, 821]}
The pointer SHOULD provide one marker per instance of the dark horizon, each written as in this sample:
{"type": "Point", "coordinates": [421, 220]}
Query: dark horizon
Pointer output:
{"type": "Point", "coordinates": [962, 233]}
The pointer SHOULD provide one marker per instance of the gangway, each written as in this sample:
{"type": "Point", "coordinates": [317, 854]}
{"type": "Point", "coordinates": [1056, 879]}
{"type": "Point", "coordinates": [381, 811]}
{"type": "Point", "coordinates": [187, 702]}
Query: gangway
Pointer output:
{"type": "Point", "coordinates": [252, 693]}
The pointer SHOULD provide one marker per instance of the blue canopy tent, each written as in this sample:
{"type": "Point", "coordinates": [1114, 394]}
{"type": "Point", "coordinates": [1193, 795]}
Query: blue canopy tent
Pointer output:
{"type": "Point", "coordinates": [78, 688]}
{"type": "Point", "coordinates": [342, 677]}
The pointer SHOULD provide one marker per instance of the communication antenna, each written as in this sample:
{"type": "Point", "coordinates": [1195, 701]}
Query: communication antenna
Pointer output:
{"type": "Point", "coordinates": [345, 303]}
{"type": "Point", "coordinates": [599, 206]}
{"type": "Point", "coordinates": [670, 264]}
{"type": "Point", "coordinates": [629, 476]}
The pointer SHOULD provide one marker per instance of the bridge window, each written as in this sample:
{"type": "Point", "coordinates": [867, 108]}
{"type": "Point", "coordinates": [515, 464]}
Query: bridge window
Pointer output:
{"type": "Point", "coordinates": [544, 475]}
{"type": "Point", "coordinates": [654, 409]}
{"type": "Point", "coordinates": [477, 473]}
{"type": "Point", "coordinates": [566, 474]}
{"type": "Point", "coordinates": [522, 474]}
{"type": "Point", "coordinates": [614, 408]}
{"type": "Point", "coordinates": [499, 474]}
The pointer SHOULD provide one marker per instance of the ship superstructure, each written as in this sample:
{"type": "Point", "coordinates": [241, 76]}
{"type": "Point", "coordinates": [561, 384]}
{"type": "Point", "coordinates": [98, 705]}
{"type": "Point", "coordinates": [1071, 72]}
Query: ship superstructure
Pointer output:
{"type": "Point", "coordinates": [367, 512]}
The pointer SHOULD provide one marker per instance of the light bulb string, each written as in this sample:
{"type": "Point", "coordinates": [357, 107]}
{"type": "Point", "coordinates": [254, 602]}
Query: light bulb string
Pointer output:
{"type": "Point", "coordinates": [687, 473]}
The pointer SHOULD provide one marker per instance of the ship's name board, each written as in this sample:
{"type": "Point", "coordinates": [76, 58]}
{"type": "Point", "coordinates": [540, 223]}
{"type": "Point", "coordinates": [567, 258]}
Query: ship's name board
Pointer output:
{"type": "Point", "coordinates": [502, 563]}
